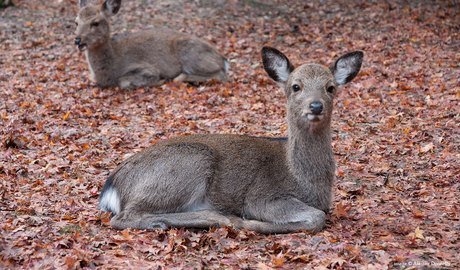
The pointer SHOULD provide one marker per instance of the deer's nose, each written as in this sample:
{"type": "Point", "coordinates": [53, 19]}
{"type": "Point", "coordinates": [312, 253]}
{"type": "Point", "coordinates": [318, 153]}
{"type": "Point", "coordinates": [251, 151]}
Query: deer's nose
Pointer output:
{"type": "Point", "coordinates": [316, 107]}
{"type": "Point", "coordinates": [77, 41]}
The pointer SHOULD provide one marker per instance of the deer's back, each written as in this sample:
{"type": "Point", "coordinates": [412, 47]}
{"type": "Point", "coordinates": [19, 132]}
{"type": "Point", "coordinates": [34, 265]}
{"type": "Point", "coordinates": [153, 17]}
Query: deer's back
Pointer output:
{"type": "Point", "coordinates": [155, 46]}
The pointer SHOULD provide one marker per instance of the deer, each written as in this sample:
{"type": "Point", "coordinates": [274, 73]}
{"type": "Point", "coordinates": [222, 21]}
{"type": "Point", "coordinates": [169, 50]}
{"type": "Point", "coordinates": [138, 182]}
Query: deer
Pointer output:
{"type": "Point", "coordinates": [145, 58]}
{"type": "Point", "coordinates": [267, 185]}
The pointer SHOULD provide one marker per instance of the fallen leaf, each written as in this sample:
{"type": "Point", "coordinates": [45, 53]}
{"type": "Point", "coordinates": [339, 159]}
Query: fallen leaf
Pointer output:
{"type": "Point", "coordinates": [427, 147]}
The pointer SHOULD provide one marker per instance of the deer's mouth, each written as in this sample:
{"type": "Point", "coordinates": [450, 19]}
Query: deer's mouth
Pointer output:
{"type": "Point", "coordinates": [314, 117]}
{"type": "Point", "coordinates": [82, 47]}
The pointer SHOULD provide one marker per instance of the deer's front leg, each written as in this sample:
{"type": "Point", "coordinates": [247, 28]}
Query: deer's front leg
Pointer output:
{"type": "Point", "coordinates": [282, 215]}
{"type": "Point", "coordinates": [140, 76]}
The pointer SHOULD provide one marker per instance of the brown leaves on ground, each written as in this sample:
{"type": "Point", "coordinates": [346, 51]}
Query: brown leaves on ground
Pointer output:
{"type": "Point", "coordinates": [396, 134]}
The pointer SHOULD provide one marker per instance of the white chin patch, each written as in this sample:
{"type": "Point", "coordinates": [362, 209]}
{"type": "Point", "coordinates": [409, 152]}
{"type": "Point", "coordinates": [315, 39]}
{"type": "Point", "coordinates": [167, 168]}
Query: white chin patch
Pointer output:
{"type": "Point", "coordinates": [82, 47]}
{"type": "Point", "coordinates": [314, 117]}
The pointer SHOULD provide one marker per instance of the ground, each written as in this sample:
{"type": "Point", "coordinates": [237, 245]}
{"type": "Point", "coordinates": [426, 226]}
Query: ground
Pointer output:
{"type": "Point", "coordinates": [396, 134]}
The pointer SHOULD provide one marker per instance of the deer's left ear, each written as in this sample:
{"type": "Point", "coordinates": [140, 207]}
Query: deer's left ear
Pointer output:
{"type": "Point", "coordinates": [347, 67]}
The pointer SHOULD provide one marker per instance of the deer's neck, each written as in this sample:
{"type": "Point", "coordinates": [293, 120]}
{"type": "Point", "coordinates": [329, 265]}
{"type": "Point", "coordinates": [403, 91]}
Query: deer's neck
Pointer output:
{"type": "Point", "coordinates": [101, 61]}
{"type": "Point", "coordinates": [311, 162]}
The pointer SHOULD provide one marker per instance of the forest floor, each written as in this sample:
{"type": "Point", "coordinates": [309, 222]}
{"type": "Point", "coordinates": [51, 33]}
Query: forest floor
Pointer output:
{"type": "Point", "coordinates": [396, 134]}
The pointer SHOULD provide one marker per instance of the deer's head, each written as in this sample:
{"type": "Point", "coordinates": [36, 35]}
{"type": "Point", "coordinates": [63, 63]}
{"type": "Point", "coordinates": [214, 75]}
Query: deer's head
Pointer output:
{"type": "Point", "coordinates": [310, 88]}
{"type": "Point", "coordinates": [93, 25]}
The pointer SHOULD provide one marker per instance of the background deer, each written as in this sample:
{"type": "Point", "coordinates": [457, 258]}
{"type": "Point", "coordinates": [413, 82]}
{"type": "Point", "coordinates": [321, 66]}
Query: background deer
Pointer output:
{"type": "Point", "coordinates": [148, 57]}
{"type": "Point", "coordinates": [261, 184]}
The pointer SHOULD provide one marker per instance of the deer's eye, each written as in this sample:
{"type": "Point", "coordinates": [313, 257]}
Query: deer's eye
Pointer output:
{"type": "Point", "coordinates": [94, 24]}
{"type": "Point", "coordinates": [295, 87]}
{"type": "Point", "coordinates": [76, 24]}
{"type": "Point", "coordinates": [330, 89]}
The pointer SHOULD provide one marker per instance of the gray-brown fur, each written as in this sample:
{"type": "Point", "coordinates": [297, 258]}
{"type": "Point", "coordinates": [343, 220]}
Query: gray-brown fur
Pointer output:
{"type": "Point", "coordinates": [266, 185]}
{"type": "Point", "coordinates": [149, 57]}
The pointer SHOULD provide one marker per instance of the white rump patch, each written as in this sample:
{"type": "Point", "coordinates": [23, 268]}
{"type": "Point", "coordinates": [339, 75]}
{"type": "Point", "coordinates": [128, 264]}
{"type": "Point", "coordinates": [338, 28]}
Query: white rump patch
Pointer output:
{"type": "Point", "coordinates": [110, 201]}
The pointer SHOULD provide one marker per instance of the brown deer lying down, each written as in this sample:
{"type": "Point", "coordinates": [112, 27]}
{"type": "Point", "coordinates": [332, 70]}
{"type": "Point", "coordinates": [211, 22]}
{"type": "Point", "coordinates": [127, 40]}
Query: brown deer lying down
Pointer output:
{"type": "Point", "coordinates": [144, 58]}
{"type": "Point", "coordinates": [261, 184]}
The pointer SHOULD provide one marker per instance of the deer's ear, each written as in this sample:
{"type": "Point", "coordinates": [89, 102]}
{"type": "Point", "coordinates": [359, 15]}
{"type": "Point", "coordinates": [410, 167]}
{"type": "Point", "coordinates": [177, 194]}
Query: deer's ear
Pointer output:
{"type": "Point", "coordinates": [82, 3]}
{"type": "Point", "coordinates": [347, 67]}
{"type": "Point", "coordinates": [111, 7]}
{"type": "Point", "coordinates": [276, 64]}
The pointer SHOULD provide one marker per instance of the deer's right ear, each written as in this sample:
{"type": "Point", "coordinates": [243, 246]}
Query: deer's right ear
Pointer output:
{"type": "Point", "coordinates": [111, 7]}
{"type": "Point", "coordinates": [82, 3]}
{"type": "Point", "coordinates": [347, 67]}
{"type": "Point", "coordinates": [276, 64]}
